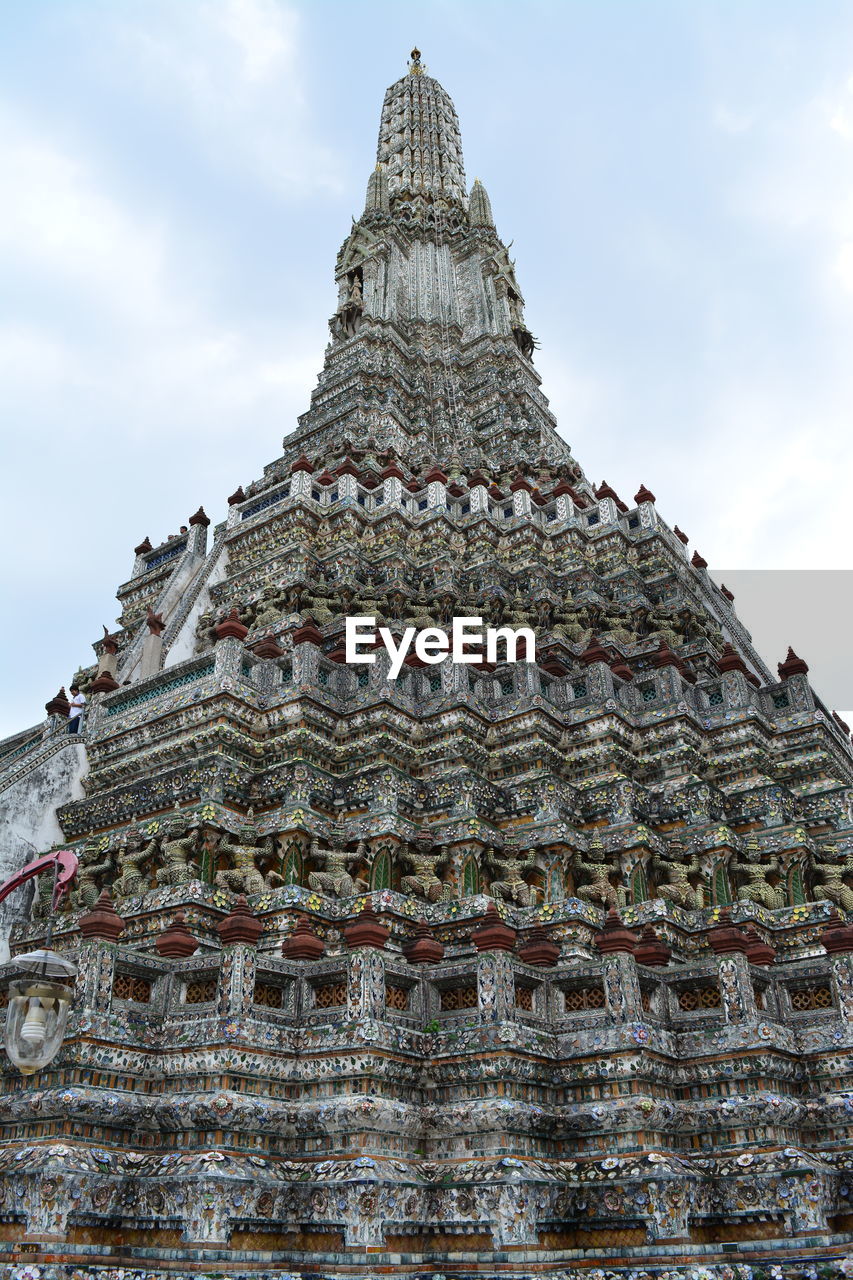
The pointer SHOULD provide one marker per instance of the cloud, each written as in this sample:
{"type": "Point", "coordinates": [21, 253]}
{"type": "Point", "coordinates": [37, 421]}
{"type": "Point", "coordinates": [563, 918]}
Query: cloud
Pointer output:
{"type": "Point", "coordinates": [799, 182]}
{"type": "Point", "coordinates": [59, 222]}
{"type": "Point", "coordinates": [231, 70]}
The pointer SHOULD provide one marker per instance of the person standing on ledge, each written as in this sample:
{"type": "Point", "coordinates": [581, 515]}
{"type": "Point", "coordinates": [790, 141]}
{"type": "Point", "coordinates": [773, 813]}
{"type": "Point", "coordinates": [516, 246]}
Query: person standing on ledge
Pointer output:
{"type": "Point", "coordinates": [75, 709]}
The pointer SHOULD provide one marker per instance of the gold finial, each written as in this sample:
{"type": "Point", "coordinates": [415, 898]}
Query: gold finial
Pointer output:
{"type": "Point", "coordinates": [415, 68]}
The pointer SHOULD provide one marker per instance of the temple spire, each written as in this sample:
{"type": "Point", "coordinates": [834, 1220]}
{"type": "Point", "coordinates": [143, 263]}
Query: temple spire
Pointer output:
{"type": "Point", "coordinates": [376, 200]}
{"type": "Point", "coordinates": [419, 140]}
{"type": "Point", "coordinates": [480, 207]}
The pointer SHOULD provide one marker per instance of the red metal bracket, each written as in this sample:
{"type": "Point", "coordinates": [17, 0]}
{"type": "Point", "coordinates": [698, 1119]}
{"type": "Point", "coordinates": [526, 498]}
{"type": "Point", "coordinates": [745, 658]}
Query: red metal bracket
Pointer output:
{"type": "Point", "coordinates": [64, 859]}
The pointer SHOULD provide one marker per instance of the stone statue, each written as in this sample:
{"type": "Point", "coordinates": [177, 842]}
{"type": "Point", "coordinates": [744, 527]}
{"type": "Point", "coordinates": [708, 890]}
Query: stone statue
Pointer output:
{"type": "Point", "coordinates": [596, 884]}
{"type": "Point", "coordinates": [251, 856]}
{"type": "Point", "coordinates": [335, 878]}
{"type": "Point", "coordinates": [133, 854]}
{"type": "Point", "coordinates": [178, 853]}
{"type": "Point", "coordinates": [832, 875]}
{"type": "Point", "coordinates": [424, 857]}
{"type": "Point", "coordinates": [41, 907]}
{"type": "Point", "coordinates": [509, 863]}
{"type": "Point", "coordinates": [680, 882]}
{"type": "Point", "coordinates": [763, 878]}
{"type": "Point", "coordinates": [95, 865]}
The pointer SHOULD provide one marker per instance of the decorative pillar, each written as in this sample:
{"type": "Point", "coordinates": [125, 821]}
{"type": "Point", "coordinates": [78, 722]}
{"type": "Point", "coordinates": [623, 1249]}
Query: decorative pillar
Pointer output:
{"type": "Point", "coordinates": [520, 490]}
{"type": "Point", "coordinates": [366, 936]}
{"type": "Point", "coordinates": [564, 494]}
{"type": "Point", "coordinates": [495, 986]}
{"type": "Point", "coordinates": [736, 989]}
{"type": "Point", "coordinates": [229, 651]}
{"type": "Point", "coordinates": [307, 642]}
{"type": "Point", "coordinates": [347, 474]}
{"type": "Point", "coordinates": [478, 487]}
{"type": "Point", "coordinates": [152, 648]}
{"type": "Point", "coordinates": [730, 946]}
{"type": "Point", "coordinates": [236, 498]}
{"type": "Point", "coordinates": [199, 523]}
{"type": "Point", "coordinates": [93, 989]}
{"type": "Point", "coordinates": [645, 501]}
{"type": "Point", "coordinates": [239, 932]}
{"type": "Point", "coordinates": [392, 485]}
{"type": "Point", "coordinates": [837, 940]}
{"type": "Point", "coordinates": [300, 478]}
{"type": "Point", "coordinates": [108, 659]}
{"type": "Point", "coordinates": [622, 988]}
{"type": "Point", "coordinates": [366, 984]}
{"type": "Point", "coordinates": [596, 660]}
{"type": "Point", "coordinates": [615, 944]}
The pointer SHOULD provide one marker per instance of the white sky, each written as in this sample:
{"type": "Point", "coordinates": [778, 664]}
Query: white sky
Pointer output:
{"type": "Point", "coordinates": [177, 178]}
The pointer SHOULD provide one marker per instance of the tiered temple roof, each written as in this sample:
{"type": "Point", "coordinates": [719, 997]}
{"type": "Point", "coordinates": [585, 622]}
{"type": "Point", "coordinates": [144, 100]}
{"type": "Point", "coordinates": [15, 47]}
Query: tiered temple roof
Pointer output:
{"type": "Point", "coordinates": [493, 967]}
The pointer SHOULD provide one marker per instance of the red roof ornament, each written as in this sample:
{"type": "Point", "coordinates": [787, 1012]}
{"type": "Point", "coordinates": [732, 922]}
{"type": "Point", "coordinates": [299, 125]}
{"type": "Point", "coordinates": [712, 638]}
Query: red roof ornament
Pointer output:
{"type": "Point", "coordinates": [837, 937]}
{"type": "Point", "coordinates": [651, 950]}
{"type": "Point", "coordinates": [539, 949]}
{"type": "Point", "coordinates": [231, 628]}
{"type": "Point", "coordinates": [347, 468]}
{"type": "Point", "coordinates": [58, 705]}
{"type": "Point", "coordinates": [302, 464]}
{"type": "Point", "coordinates": [237, 497]}
{"type": "Point", "coordinates": [103, 921]}
{"type": "Point", "coordinates": [757, 950]}
{"type": "Point", "coordinates": [477, 479]}
{"type": "Point", "coordinates": [435, 474]}
{"type": "Point", "coordinates": [156, 625]}
{"type": "Point", "coordinates": [177, 942]}
{"type": "Point", "coordinates": [308, 633]}
{"type": "Point", "coordinates": [241, 925]}
{"type": "Point", "coordinates": [109, 642]}
{"type": "Point", "coordinates": [520, 483]}
{"type": "Point", "coordinates": [620, 668]}
{"type": "Point", "coordinates": [681, 535]}
{"type": "Point", "coordinates": [339, 653]}
{"type": "Point", "coordinates": [730, 660]}
{"type": "Point", "coordinates": [425, 947]}
{"type": "Point", "coordinates": [699, 562]}
{"type": "Point", "coordinates": [726, 937]}
{"type": "Point", "coordinates": [199, 517]}
{"type": "Point", "coordinates": [614, 936]}
{"type": "Point", "coordinates": [664, 657]}
{"type": "Point", "coordinates": [104, 683]}
{"type": "Point", "coordinates": [792, 666]}
{"type": "Point", "coordinates": [303, 943]}
{"type": "Point", "coordinates": [144, 546]}
{"type": "Point", "coordinates": [493, 934]}
{"type": "Point", "coordinates": [643, 495]}
{"type": "Point", "coordinates": [367, 930]}
{"type": "Point", "coordinates": [594, 652]}
{"type": "Point", "coordinates": [267, 648]}
{"type": "Point", "coordinates": [730, 595]}
{"type": "Point", "coordinates": [392, 472]}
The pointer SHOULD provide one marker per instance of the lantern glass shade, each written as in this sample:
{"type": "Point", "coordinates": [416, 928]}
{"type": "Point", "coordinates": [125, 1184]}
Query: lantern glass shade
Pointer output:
{"type": "Point", "coordinates": [35, 1022]}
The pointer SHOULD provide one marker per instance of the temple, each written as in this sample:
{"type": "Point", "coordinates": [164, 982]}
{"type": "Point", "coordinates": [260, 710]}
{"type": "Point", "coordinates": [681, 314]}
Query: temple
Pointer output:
{"type": "Point", "coordinates": [496, 968]}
